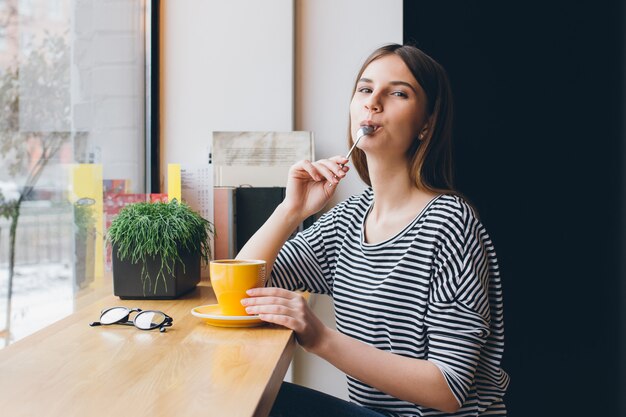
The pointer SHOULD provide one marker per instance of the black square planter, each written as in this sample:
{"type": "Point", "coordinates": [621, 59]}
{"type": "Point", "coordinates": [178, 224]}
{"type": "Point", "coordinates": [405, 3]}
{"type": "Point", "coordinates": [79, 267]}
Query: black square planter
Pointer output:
{"type": "Point", "coordinates": [127, 278]}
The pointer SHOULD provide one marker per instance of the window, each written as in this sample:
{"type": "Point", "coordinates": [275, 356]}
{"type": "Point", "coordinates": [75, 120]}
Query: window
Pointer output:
{"type": "Point", "coordinates": [72, 132]}
{"type": "Point", "coordinates": [26, 7]}
{"type": "Point", "coordinates": [3, 39]}
{"type": "Point", "coordinates": [55, 9]}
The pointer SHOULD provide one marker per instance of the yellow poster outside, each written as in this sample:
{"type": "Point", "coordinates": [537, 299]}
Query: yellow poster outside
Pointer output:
{"type": "Point", "coordinates": [88, 194]}
{"type": "Point", "coordinates": [173, 182]}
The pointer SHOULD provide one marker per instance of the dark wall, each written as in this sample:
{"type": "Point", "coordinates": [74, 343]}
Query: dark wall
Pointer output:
{"type": "Point", "coordinates": [538, 91]}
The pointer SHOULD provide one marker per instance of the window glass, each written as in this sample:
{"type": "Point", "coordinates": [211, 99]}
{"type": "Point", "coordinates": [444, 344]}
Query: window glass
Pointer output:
{"type": "Point", "coordinates": [71, 139]}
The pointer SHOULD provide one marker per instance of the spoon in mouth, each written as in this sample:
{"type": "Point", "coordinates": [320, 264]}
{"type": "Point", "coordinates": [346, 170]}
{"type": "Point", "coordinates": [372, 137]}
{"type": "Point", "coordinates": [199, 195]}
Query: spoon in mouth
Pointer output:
{"type": "Point", "coordinates": [363, 131]}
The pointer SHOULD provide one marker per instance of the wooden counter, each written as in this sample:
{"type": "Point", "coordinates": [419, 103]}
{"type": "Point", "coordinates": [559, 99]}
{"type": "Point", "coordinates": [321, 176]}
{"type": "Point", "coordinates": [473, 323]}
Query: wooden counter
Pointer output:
{"type": "Point", "coordinates": [193, 369]}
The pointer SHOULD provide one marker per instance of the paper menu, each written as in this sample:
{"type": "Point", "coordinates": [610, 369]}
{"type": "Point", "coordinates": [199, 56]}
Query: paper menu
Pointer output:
{"type": "Point", "coordinates": [197, 189]}
{"type": "Point", "coordinates": [197, 193]}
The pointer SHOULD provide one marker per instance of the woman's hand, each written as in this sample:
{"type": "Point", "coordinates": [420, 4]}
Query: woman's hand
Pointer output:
{"type": "Point", "coordinates": [289, 309]}
{"type": "Point", "coordinates": [310, 185]}
{"type": "Point", "coordinates": [399, 376]}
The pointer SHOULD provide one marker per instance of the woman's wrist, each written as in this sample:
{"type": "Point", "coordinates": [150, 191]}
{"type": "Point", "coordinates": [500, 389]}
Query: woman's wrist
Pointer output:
{"type": "Point", "coordinates": [291, 215]}
{"type": "Point", "coordinates": [324, 342]}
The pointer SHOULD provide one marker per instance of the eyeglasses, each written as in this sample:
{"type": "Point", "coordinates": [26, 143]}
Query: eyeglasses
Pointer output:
{"type": "Point", "coordinates": [144, 320]}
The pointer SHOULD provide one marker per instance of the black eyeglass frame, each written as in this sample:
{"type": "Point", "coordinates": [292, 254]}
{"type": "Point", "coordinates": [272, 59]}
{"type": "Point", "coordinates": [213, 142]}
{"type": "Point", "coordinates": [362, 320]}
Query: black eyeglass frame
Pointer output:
{"type": "Point", "coordinates": [167, 321]}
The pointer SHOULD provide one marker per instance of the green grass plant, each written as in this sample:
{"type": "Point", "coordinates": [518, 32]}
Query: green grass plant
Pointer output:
{"type": "Point", "coordinates": [143, 231]}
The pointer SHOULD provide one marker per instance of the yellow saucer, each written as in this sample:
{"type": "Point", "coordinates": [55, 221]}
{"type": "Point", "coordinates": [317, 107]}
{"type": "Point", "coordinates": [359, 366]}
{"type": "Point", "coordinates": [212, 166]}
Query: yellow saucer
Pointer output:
{"type": "Point", "coordinates": [212, 314]}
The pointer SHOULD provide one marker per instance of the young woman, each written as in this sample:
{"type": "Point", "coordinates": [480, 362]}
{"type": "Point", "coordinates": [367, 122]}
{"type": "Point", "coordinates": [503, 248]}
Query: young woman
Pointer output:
{"type": "Point", "coordinates": [412, 271]}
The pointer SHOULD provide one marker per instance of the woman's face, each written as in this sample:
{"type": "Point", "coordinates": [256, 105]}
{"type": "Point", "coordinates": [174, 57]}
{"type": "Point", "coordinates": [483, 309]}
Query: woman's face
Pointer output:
{"type": "Point", "coordinates": [388, 98]}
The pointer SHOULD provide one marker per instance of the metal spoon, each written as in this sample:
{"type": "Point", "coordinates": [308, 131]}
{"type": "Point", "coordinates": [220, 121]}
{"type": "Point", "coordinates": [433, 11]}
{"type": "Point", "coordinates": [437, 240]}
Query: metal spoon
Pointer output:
{"type": "Point", "coordinates": [363, 131]}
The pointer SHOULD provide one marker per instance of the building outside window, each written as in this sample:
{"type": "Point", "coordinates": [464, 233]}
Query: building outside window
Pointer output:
{"type": "Point", "coordinates": [72, 138]}
{"type": "Point", "coordinates": [55, 9]}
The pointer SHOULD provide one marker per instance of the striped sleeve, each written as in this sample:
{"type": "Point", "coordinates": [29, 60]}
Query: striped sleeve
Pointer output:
{"type": "Point", "coordinates": [307, 262]}
{"type": "Point", "coordinates": [458, 317]}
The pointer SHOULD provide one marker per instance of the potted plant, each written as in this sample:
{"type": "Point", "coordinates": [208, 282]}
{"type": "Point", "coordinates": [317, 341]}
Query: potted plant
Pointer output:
{"type": "Point", "coordinates": [157, 250]}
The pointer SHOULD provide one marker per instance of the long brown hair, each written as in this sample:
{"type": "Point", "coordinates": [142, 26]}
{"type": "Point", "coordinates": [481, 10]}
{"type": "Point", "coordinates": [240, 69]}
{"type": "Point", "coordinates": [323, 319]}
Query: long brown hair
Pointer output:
{"type": "Point", "coordinates": [430, 159]}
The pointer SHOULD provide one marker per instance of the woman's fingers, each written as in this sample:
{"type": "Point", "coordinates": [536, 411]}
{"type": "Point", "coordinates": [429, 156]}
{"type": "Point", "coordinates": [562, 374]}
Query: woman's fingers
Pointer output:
{"type": "Point", "coordinates": [335, 168]}
{"type": "Point", "coordinates": [285, 321]}
{"type": "Point", "coordinates": [329, 169]}
{"type": "Point", "coordinates": [283, 305]}
{"type": "Point", "coordinates": [320, 170]}
{"type": "Point", "coordinates": [272, 300]}
{"type": "Point", "coordinates": [308, 167]}
{"type": "Point", "coordinates": [270, 309]}
{"type": "Point", "coordinates": [276, 305]}
{"type": "Point", "coordinates": [341, 160]}
{"type": "Point", "coordinates": [253, 301]}
{"type": "Point", "coordinates": [286, 308]}
{"type": "Point", "coordinates": [272, 292]}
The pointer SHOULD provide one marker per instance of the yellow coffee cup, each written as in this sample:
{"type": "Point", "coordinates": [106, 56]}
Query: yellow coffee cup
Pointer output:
{"type": "Point", "coordinates": [231, 278]}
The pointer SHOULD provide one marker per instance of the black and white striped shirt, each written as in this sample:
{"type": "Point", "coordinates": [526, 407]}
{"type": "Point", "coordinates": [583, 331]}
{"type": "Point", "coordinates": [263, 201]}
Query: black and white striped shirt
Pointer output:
{"type": "Point", "coordinates": [431, 292]}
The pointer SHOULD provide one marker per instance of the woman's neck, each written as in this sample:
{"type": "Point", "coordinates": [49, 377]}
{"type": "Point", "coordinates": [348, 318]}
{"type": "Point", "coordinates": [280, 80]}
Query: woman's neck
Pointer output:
{"type": "Point", "coordinates": [394, 192]}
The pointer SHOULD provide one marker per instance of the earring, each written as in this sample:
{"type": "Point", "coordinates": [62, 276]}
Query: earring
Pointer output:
{"type": "Point", "coordinates": [421, 136]}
